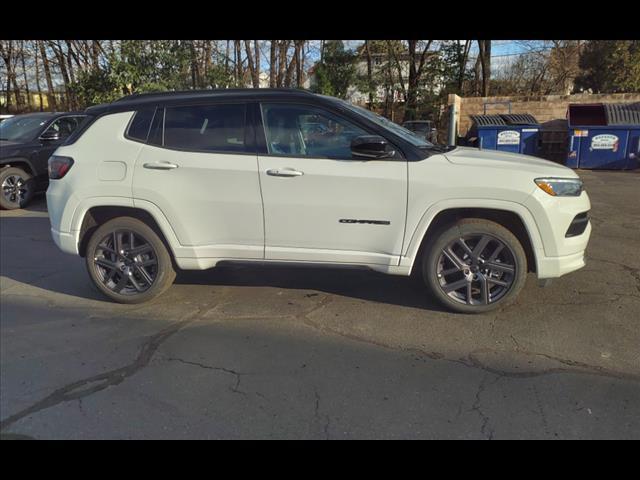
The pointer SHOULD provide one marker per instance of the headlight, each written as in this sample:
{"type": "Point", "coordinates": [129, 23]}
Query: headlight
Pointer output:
{"type": "Point", "coordinates": [560, 187]}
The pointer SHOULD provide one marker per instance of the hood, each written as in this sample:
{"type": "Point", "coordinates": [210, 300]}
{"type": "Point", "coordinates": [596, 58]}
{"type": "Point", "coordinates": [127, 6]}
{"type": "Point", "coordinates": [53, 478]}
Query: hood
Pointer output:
{"type": "Point", "coordinates": [504, 160]}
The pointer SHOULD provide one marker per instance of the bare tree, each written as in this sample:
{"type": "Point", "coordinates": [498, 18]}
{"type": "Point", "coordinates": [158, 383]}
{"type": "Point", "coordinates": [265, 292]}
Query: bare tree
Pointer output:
{"type": "Point", "coordinates": [47, 73]}
{"type": "Point", "coordinates": [252, 64]}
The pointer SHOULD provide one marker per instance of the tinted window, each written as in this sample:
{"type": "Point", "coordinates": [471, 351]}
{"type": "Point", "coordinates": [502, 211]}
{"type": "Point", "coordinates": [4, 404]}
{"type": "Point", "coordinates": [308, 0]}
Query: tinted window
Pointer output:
{"type": "Point", "coordinates": [65, 126]}
{"type": "Point", "coordinates": [22, 127]}
{"type": "Point", "coordinates": [155, 133]}
{"type": "Point", "coordinates": [389, 125]}
{"type": "Point", "coordinates": [139, 128]}
{"type": "Point", "coordinates": [205, 128]}
{"type": "Point", "coordinates": [307, 131]}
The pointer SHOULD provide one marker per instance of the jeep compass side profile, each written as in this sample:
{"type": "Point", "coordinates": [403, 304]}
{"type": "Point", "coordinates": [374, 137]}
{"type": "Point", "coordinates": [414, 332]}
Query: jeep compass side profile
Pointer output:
{"type": "Point", "coordinates": [190, 179]}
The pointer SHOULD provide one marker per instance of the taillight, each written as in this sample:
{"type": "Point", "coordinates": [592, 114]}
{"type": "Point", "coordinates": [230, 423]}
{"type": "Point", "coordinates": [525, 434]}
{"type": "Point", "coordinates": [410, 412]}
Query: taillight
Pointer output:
{"type": "Point", "coordinates": [59, 166]}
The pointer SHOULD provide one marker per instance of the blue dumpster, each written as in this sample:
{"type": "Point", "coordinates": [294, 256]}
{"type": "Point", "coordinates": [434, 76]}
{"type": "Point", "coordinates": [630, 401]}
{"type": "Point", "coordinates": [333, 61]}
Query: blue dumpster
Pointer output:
{"type": "Point", "coordinates": [604, 136]}
{"type": "Point", "coordinates": [515, 133]}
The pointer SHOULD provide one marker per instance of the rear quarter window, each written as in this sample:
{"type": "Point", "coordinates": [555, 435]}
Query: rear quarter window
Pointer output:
{"type": "Point", "coordinates": [141, 124]}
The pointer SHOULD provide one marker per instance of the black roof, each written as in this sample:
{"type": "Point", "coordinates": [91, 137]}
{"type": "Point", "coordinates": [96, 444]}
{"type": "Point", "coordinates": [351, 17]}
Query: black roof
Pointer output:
{"type": "Point", "coordinates": [131, 102]}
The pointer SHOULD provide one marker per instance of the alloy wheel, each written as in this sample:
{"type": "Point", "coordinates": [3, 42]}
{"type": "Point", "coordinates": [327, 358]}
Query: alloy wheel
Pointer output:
{"type": "Point", "coordinates": [476, 269]}
{"type": "Point", "coordinates": [14, 189]}
{"type": "Point", "coordinates": [126, 262]}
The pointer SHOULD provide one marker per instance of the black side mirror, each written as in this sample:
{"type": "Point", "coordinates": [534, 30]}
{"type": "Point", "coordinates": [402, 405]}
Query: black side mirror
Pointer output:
{"type": "Point", "coordinates": [50, 135]}
{"type": "Point", "coordinates": [371, 147]}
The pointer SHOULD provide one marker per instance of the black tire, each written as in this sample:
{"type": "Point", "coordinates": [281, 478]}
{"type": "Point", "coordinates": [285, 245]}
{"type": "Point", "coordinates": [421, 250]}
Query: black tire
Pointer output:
{"type": "Point", "coordinates": [9, 199]}
{"type": "Point", "coordinates": [510, 267]}
{"type": "Point", "coordinates": [107, 279]}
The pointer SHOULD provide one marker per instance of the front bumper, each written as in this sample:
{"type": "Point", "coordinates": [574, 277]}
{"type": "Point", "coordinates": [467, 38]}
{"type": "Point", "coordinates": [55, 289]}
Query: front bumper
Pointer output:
{"type": "Point", "coordinates": [560, 253]}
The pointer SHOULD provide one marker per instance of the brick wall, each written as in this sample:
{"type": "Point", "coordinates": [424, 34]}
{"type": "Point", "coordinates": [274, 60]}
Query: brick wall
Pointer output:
{"type": "Point", "coordinates": [544, 109]}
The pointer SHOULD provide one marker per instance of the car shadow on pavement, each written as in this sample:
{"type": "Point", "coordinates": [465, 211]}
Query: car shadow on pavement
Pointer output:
{"type": "Point", "coordinates": [29, 256]}
{"type": "Point", "coordinates": [346, 282]}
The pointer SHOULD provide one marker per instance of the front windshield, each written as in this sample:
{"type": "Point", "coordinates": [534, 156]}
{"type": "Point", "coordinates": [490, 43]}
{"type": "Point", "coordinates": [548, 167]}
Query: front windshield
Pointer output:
{"type": "Point", "coordinates": [22, 128]}
{"type": "Point", "coordinates": [407, 135]}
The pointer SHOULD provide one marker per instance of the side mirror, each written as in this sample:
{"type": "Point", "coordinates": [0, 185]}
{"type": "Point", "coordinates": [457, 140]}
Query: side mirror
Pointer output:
{"type": "Point", "coordinates": [371, 147]}
{"type": "Point", "coordinates": [50, 135]}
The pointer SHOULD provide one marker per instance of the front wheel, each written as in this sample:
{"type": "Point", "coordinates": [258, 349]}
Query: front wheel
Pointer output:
{"type": "Point", "coordinates": [17, 188]}
{"type": "Point", "coordinates": [128, 262]}
{"type": "Point", "coordinates": [475, 266]}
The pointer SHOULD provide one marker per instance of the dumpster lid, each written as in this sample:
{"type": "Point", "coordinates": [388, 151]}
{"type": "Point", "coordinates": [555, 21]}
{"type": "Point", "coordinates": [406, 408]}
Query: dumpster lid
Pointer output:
{"type": "Point", "coordinates": [519, 119]}
{"type": "Point", "coordinates": [488, 120]}
{"type": "Point", "coordinates": [622, 113]}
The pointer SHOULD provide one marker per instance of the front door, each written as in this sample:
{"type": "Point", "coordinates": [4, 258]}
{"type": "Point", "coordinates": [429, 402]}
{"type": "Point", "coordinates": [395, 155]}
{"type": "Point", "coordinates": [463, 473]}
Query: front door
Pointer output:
{"type": "Point", "coordinates": [202, 173]}
{"type": "Point", "coordinates": [320, 204]}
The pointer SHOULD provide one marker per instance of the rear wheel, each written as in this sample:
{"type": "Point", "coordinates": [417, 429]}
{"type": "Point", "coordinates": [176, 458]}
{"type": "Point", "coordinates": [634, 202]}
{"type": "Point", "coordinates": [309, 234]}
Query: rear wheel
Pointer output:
{"type": "Point", "coordinates": [16, 188]}
{"type": "Point", "coordinates": [475, 266]}
{"type": "Point", "coordinates": [128, 261]}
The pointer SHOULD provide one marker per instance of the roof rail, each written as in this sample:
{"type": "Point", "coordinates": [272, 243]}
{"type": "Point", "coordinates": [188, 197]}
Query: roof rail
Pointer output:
{"type": "Point", "coordinates": [136, 96]}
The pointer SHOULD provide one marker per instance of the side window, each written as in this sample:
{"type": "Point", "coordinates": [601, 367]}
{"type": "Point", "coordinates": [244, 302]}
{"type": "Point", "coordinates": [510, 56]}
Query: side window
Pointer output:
{"type": "Point", "coordinates": [141, 123]}
{"type": "Point", "coordinates": [307, 131]}
{"type": "Point", "coordinates": [219, 128]}
{"type": "Point", "coordinates": [65, 126]}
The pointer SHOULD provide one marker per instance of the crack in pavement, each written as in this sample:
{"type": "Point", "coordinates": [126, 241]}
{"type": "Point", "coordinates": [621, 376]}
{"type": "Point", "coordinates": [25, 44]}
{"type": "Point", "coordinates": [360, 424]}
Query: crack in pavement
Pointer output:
{"type": "Point", "coordinates": [316, 415]}
{"type": "Point", "coordinates": [476, 408]}
{"type": "Point", "coordinates": [88, 386]}
{"type": "Point", "coordinates": [471, 361]}
{"type": "Point", "coordinates": [238, 375]}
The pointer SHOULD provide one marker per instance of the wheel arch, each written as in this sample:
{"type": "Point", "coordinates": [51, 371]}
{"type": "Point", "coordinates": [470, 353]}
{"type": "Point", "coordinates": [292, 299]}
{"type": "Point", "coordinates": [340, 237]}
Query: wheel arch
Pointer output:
{"type": "Point", "coordinates": [98, 215]}
{"type": "Point", "coordinates": [517, 220]}
{"type": "Point", "coordinates": [19, 162]}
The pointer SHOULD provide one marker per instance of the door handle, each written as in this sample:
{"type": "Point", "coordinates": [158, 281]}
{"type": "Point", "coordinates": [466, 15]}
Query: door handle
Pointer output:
{"type": "Point", "coordinates": [285, 172]}
{"type": "Point", "coordinates": [160, 166]}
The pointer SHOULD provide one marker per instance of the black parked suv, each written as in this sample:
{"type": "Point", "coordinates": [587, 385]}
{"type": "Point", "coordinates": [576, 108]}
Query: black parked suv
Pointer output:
{"type": "Point", "coordinates": [26, 143]}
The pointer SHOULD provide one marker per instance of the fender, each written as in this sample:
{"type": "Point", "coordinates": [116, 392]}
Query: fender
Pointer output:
{"type": "Point", "coordinates": [11, 162]}
{"type": "Point", "coordinates": [163, 224]}
{"type": "Point", "coordinates": [418, 234]}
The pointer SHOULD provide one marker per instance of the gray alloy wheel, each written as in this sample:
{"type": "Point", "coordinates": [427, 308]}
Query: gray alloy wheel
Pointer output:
{"type": "Point", "coordinates": [128, 261]}
{"type": "Point", "coordinates": [475, 266]}
{"type": "Point", "coordinates": [476, 269]}
{"type": "Point", "coordinates": [15, 188]}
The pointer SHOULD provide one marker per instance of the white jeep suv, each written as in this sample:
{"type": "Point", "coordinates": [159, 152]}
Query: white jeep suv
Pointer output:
{"type": "Point", "coordinates": [155, 182]}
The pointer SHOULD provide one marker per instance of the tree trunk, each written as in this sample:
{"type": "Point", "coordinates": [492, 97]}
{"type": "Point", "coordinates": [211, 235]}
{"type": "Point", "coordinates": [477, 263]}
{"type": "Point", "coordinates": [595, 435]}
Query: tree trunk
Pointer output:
{"type": "Point", "coordinates": [255, 79]}
{"type": "Point", "coordinates": [257, 60]}
{"type": "Point", "coordinates": [291, 67]}
{"type": "Point", "coordinates": [238, 57]}
{"type": "Point", "coordinates": [272, 65]}
{"type": "Point", "coordinates": [463, 65]}
{"type": "Point", "coordinates": [282, 61]}
{"type": "Point", "coordinates": [369, 73]}
{"type": "Point", "coordinates": [63, 70]}
{"type": "Point", "coordinates": [485, 63]}
{"type": "Point", "coordinates": [35, 53]}
{"type": "Point", "coordinates": [24, 73]}
{"type": "Point", "coordinates": [194, 65]}
{"type": "Point", "coordinates": [47, 73]}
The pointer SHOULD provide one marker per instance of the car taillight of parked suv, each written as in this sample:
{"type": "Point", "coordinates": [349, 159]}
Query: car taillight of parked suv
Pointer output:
{"type": "Point", "coordinates": [189, 180]}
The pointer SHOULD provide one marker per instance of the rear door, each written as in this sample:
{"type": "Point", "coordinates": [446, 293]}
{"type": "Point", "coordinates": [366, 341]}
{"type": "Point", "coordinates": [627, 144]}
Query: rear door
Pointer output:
{"type": "Point", "coordinates": [320, 204]}
{"type": "Point", "coordinates": [200, 168]}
